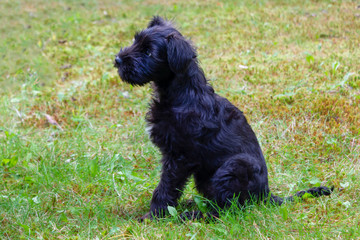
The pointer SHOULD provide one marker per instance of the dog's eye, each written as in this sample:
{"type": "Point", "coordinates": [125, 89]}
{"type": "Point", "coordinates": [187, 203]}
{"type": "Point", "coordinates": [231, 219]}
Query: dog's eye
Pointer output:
{"type": "Point", "coordinates": [148, 52]}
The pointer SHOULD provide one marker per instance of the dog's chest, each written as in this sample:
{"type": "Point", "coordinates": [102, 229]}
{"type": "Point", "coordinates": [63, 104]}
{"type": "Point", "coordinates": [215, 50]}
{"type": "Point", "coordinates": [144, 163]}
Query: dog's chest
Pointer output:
{"type": "Point", "coordinates": [166, 135]}
{"type": "Point", "coordinates": [183, 134]}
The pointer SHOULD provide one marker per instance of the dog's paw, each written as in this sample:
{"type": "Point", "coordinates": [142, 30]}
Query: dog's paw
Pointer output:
{"type": "Point", "coordinates": [194, 215]}
{"type": "Point", "coordinates": [147, 217]}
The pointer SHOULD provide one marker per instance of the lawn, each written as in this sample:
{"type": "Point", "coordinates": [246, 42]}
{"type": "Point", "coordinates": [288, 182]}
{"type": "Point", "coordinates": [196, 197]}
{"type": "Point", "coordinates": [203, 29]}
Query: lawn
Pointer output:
{"type": "Point", "coordinates": [76, 161]}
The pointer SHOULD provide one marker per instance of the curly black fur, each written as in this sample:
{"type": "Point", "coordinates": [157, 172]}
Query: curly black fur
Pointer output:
{"type": "Point", "coordinates": [198, 132]}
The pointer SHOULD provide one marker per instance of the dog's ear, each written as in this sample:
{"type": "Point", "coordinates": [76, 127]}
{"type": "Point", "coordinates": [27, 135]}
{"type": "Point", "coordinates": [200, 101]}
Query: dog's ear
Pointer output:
{"type": "Point", "coordinates": [157, 21]}
{"type": "Point", "coordinates": [179, 52]}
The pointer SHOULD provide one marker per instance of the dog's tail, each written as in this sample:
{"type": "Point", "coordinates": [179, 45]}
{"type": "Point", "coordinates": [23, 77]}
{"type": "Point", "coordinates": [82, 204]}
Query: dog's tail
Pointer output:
{"type": "Point", "coordinates": [314, 192]}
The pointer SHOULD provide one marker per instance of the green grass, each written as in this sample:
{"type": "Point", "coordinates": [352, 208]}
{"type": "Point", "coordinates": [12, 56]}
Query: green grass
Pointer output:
{"type": "Point", "coordinates": [92, 175]}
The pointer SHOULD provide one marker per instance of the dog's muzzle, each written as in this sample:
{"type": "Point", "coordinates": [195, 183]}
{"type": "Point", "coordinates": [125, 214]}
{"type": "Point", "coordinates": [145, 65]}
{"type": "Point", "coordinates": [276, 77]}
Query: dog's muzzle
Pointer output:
{"type": "Point", "coordinates": [118, 60]}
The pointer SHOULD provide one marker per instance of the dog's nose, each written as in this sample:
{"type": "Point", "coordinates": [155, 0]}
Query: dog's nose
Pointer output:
{"type": "Point", "coordinates": [118, 60]}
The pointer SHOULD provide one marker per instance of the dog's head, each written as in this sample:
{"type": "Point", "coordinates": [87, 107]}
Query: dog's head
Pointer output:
{"type": "Point", "coordinates": [158, 53]}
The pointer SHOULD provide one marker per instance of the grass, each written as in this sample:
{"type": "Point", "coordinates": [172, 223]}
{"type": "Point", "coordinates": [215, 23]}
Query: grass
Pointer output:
{"type": "Point", "coordinates": [92, 174]}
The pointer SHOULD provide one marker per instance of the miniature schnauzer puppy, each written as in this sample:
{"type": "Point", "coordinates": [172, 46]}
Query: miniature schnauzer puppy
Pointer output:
{"type": "Point", "coordinates": [198, 132]}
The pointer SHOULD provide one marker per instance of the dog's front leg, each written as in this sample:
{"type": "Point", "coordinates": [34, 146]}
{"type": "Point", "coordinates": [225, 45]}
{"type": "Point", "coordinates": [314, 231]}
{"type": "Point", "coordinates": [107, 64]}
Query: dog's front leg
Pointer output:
{"type": "Point", "coordinates": [173, 178]}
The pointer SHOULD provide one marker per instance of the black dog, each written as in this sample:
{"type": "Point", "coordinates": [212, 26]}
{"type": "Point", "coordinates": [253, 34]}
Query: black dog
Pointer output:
{"type": "Point", "coordinates": [198, 132]}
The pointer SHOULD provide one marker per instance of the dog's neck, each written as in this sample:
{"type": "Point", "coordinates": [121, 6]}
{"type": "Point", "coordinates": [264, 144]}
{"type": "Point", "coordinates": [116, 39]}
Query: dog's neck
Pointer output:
{"type": "Point", "coordinates": [182, 88]}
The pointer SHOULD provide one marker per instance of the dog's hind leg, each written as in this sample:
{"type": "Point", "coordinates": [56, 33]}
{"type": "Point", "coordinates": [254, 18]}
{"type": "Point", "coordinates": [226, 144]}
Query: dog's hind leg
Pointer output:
{"type": "Point", "coordinates": [241, 176]}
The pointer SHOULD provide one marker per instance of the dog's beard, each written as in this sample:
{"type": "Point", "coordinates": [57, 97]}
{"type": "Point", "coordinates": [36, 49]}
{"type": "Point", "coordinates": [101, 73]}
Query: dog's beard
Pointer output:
{"type": "Point", "coordinates": [130, 74]}
{"type": "Point", "coordinates": [139, 72]}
